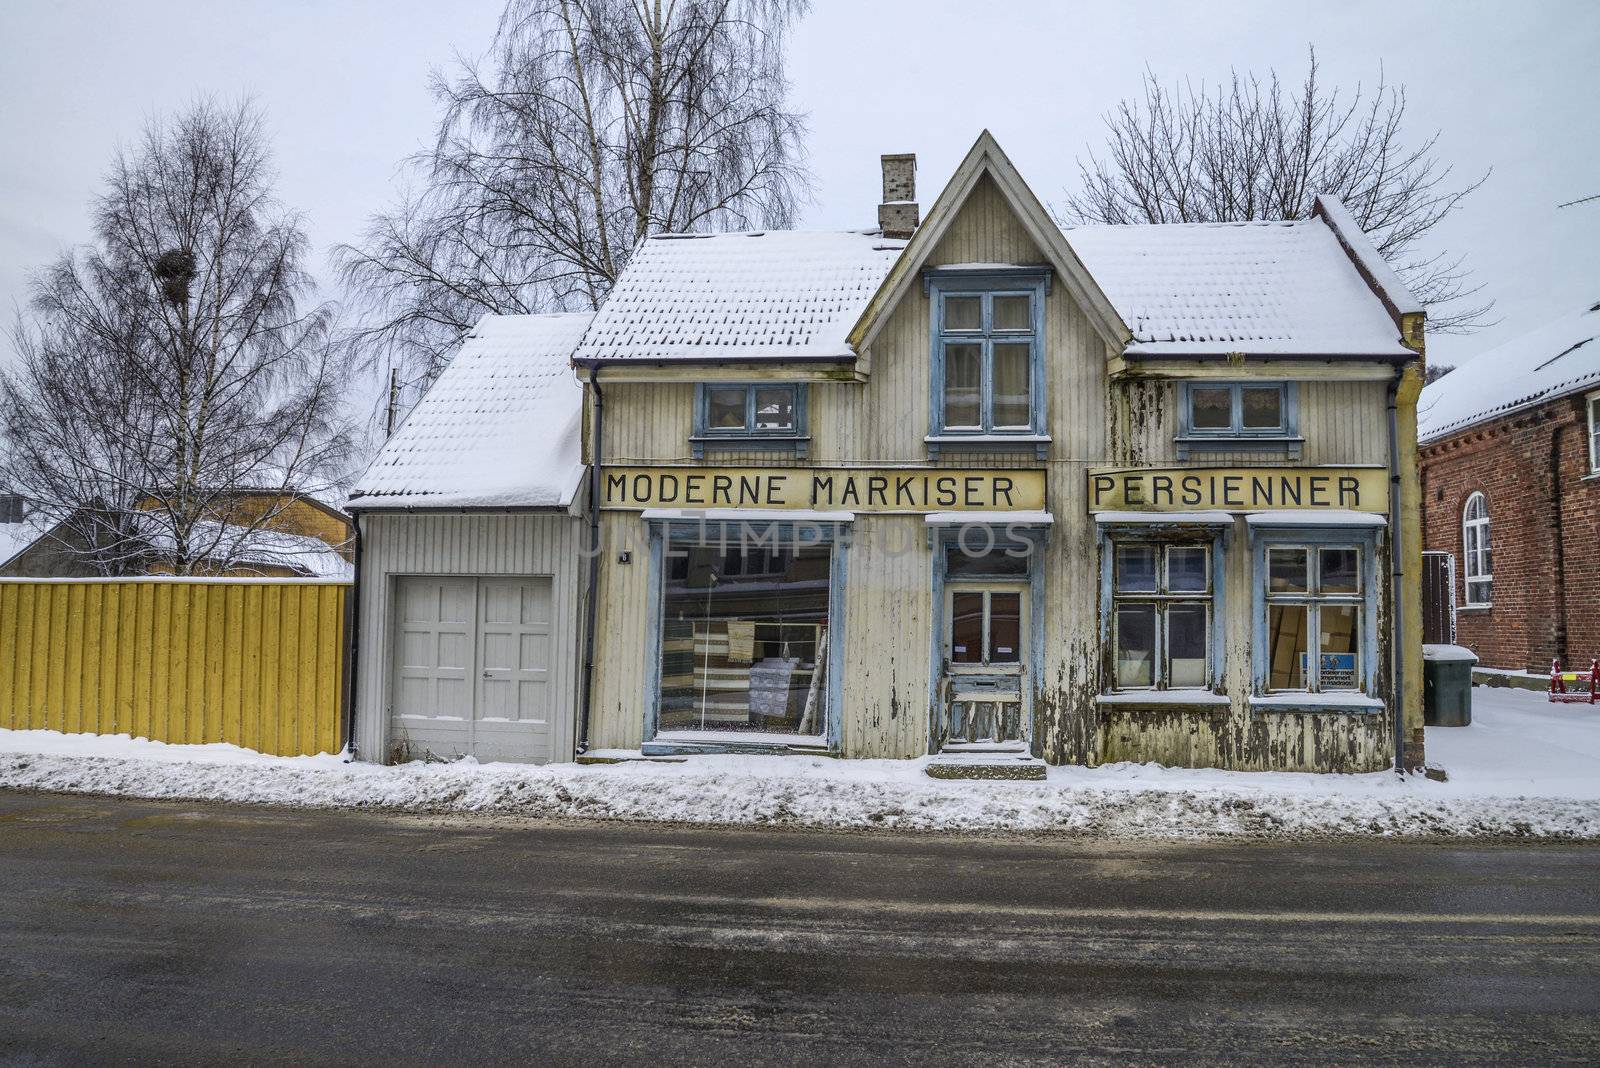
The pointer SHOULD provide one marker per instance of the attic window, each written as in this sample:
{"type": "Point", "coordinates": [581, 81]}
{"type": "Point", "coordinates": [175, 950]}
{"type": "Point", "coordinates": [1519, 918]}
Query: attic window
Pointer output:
{"type": "Point", "coordinates": [745, 415]}
{"type": "Point", "coordinates": [988, 355]}
{"type": "Point", "coordinates": [1232, 416]}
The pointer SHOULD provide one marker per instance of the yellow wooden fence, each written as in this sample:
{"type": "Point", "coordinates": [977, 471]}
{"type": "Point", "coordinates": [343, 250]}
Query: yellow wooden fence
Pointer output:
{"type": "Point", "coordinates": [259, 663]}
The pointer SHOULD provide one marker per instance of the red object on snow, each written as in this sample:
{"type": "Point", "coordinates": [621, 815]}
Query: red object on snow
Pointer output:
{"type": "Point", "coordinates": [1559, 680]}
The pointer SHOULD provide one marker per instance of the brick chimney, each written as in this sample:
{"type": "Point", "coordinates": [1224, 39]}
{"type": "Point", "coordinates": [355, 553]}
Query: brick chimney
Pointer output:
{"type": "Point", "coordinates": [898, 215]}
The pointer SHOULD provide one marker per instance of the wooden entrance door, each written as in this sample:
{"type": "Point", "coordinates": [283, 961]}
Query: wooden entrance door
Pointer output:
{"type": "Point", "coordinates": [985, 659]}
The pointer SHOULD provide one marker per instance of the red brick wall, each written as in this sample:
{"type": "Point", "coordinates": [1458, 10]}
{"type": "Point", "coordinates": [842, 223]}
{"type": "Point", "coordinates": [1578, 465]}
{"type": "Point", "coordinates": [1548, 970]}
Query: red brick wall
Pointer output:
{"type": "Point", "coordinates": [1544, 515]}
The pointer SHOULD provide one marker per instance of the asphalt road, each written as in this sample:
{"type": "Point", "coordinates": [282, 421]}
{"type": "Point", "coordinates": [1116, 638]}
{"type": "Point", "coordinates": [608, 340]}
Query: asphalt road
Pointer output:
{"type": "Point", "coordinates": [150, 933]}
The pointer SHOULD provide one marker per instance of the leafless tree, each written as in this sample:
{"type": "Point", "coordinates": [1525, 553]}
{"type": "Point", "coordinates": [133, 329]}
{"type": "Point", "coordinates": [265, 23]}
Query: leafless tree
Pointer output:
{"type": "Point", "coordinates": [1256, 150]}
{"type": "Point", "coordinates": [593, 124]}
{"type": "Point", "coordinates": [177, 359]}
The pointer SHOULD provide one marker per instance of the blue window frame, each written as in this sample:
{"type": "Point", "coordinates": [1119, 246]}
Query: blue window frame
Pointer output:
{"type": "Point", "coordinates": [1162, 606]}
{"type": "Point", "coordinates": [1315, 593]}
{"type": "Point", "coordinates": [988, 357]}
{"type": "Point", "coordinates": [1238, 416]}
{"type": "Point", "coordinates": [750, 415]}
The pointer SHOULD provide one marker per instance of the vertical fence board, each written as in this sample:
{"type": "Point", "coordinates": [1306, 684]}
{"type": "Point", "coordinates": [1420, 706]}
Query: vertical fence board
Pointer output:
{"type": "Point", "coordinates": [256, 663]}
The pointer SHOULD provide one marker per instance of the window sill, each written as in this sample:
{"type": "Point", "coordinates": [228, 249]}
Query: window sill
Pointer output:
{"type": "Point", "coordinates": [798, 444]}
{"type": "Point", "coordinates": [1199, 701]}
{"type": "Point", "coordinates": [1474, 607]}
{"type": "Point", "coordinates": [1038, 444]}
{"type": "Point", "coordinates": [690, 743]}
{"type": "Point", "coordinates": [1354, 704]}
{"type": "Point", "coordinates": [1289, 445]}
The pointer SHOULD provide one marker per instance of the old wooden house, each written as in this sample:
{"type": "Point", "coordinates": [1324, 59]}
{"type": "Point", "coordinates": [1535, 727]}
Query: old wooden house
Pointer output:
{"type": "Point", "coordinates": [966, 486]}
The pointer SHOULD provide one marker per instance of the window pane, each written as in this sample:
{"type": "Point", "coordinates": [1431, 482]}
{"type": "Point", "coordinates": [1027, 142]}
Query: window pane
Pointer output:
{"type": "Point", "coordinates": [1011, 385]}
{"type": "Point", "coordinates": [1005, 628]}
{"type": "Point", "coordinates": [1136, 645]}
{"type": "Point", "coordinates": [1136, 569]}
{"type": "Point", "coordinates": [1286, 570]}
{"type": "Point", "coordinates": [1186, 569]}
{"type": "Point", "coordinates": [1186, 645]}
{"type": "Point", "coordinates": [1286, 638]}
{"type": "Point", "coordinates": [775, 408]}
{"type": "Point", "coordinates": [1471, 537]}
{"type": "Point", "coordinates": [966, 627]}
{"type": "Point", "coordinates": [725, 410]}
{"type": "Point", "coordinates": [740, 640]}
{"type": "Point", "coordinates": [1013, 313]}
{"type": "Point", "coordinates": [963, 313]}
{"type": "Point", "coordinates": [1340, 626]}
{"type": "Point", "coordinates": [968, 558]}
{"type": "Point", "coordinates": [963, 384]}
{"type": "Point", "coordinates": [1210, 408]}
{"type": "Point", "coordinates": [1262, 408]}
{"type": "Point", "coordinates": [1480, 591]}
{"type": "Point", "coordinates": [1340, 570]}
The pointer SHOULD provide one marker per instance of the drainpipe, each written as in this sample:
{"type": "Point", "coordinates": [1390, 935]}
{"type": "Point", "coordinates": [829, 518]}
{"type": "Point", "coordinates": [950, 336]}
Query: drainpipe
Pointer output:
{"type": "Point", "coordinates": [1397, 574]}
{"type": "Point", "coordinates": [591, 606]}
{"type": "Point", "coordinates": [353, 655]}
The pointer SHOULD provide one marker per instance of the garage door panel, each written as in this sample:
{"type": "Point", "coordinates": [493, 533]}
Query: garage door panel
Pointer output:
{"type": "Point", "coordinates": [472, 668]}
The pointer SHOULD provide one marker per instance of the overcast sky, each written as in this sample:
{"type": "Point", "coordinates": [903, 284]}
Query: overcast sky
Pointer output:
{"type": "Point", "coordinates": [1513, 86]}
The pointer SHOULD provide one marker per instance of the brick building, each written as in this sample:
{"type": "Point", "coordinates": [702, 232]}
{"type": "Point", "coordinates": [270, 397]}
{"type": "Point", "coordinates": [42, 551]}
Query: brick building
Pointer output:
{"type": "Point", "coordinates": [1510, 452]}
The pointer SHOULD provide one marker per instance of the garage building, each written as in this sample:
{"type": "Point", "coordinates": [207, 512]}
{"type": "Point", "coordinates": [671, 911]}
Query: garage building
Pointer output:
{"type": "Point", "coordinates": [471, 569]}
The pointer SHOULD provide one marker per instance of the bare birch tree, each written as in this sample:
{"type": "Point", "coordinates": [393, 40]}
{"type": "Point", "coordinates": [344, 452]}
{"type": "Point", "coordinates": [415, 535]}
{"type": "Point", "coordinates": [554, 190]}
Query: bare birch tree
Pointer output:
{"type": "Point", "coordinates": [592, 124]}
{"type": "Point", "coordinates": [177, 359]}
{"type": "Point", "coordinates": [1257, 150]}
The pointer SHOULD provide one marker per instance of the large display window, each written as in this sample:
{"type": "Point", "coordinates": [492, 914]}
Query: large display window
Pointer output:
{"type": "Point", "coordinates": [744, 637]}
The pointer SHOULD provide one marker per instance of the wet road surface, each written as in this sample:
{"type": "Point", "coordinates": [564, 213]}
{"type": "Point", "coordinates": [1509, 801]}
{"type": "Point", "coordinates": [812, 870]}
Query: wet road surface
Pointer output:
{"type": "Point", "coordinates": [141, 933]}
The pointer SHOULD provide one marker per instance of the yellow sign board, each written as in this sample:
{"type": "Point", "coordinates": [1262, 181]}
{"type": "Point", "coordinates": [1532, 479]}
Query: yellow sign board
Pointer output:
{"type": "Point", "coordinates": [1238, 489]}
{"type": "Point", "coordinates": [853, 489]}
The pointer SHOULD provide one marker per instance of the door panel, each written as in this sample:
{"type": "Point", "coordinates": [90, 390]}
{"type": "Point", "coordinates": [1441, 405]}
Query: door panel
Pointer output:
{"type": "Point", "coordinates": [472, 668]}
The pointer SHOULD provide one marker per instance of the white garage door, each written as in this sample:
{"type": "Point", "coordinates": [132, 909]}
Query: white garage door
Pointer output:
{"type": "Point", "coordinates": [472, 669]}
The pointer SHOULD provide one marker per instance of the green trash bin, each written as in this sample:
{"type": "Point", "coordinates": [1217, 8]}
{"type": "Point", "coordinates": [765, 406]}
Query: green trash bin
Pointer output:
{"type": "Point", "coordinates": [1447, 685]}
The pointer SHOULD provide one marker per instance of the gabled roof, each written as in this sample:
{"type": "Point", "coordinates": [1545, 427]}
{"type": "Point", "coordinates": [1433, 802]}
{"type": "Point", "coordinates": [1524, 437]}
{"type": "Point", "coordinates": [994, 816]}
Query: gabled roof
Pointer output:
{"type": "Point", "coordinates": [783, 295]}
{"type": "Point", "coordinates": [986, 158]}
{"type": "Point", "coordinates": [1557, 359]}
{"type": "Point", "coordinates": [1259, 288]}
{"type": "Point", "coordinates": [500, 428]}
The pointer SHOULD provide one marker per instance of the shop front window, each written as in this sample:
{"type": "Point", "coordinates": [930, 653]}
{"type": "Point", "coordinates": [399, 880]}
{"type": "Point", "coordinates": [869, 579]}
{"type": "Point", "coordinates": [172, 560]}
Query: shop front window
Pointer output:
{"type": "Point", "coordinates": [1161, 615]}
{"type": "Point", "coordinates": [1314, 614]}
{"type": "Point", "coordinates": [744, 638]}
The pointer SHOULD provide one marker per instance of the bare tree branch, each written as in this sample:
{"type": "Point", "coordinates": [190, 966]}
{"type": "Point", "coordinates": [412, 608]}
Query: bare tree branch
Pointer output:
{"type": "Point", "coordinates": [1254, 150]}
{"type": "Point", "coordinates": [592, 124]}
{"type": "Point", "coordinates": [177, 359]}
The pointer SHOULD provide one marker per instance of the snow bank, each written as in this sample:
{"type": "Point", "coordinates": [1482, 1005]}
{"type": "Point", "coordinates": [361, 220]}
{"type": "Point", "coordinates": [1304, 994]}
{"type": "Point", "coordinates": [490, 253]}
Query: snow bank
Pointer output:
{"type": "Point", "coordinates": [1524, 768]}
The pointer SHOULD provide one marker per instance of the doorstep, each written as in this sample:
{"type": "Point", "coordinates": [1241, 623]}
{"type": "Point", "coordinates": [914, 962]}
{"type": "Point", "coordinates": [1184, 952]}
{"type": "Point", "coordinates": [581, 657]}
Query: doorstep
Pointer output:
{"type": "Point", "coordinates": [985, 766]}
{"type": "Point", "coordinates": [623, 756]}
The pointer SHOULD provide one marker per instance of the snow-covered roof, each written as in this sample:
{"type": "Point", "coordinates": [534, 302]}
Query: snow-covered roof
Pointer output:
{"type": "Point", "coordinates": [15, 537]}
{"type": "Point", "coordinates": [499, 428]}
{"type": "Point", "coordinates": [787, 295]}
{"type": "Point", "coordinates": [244, 548]}
{"type": "Point", "coordinates": [1559, 358]}
{"type": "Point", "coordinates": [1260, 288]}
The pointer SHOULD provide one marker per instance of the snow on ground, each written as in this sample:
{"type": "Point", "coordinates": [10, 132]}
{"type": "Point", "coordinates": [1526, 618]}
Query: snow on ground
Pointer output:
{"type": "Point", "coordinates": [1524, 768]}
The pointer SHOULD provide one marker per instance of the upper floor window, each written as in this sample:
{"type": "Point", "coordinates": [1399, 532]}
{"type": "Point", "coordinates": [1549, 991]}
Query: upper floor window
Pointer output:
{"type": "Point", "coordinates": [750, 415]}
{"type": "Point", "coordinates": [1475, 548]}
{"type": "Point", "coordinates": [1234, 415]}
{"type": "Point", "coordinates": [988, 353]}
{"type": "Point", "coordinates": [12, 508]}
{"type": "Point", "coordinates": [1594, 433]}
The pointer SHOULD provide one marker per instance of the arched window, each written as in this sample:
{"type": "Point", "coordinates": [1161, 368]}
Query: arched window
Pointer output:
{"type": "Point", "coordinates": [1475, 547]}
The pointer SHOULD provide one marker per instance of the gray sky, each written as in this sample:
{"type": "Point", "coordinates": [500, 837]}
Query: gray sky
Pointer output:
{"type": "Point", "coordinates": [1513, 87]}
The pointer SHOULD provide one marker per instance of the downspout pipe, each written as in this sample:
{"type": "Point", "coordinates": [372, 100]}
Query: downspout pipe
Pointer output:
{"type": "Point", "coordinates": [591, 602]}
{"type": "Point", "coordinates": [1397, 599]}
{"type": "Point", "coordinates": [353, 653]}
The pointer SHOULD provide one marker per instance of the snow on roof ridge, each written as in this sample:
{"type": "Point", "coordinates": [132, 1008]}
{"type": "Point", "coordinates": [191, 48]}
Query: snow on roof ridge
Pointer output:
{"type": "Point", "coordinates": [1543, 364]}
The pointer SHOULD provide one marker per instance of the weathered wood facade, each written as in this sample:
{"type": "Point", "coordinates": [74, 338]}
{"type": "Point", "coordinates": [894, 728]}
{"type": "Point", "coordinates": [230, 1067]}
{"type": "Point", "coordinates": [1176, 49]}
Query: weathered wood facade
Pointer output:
{"type": "Point", "coordinates": [1100, 411]}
